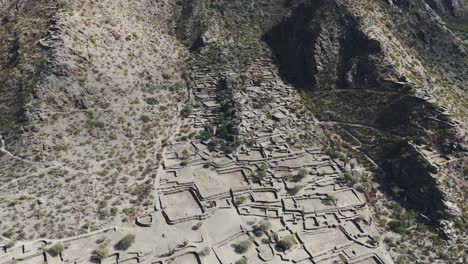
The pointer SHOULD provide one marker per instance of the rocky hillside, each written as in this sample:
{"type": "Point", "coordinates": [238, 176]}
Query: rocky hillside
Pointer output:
{"type": "Point", "coordinates": [92, 94]}
{"type": "Point", "coordinates": [90, 91]}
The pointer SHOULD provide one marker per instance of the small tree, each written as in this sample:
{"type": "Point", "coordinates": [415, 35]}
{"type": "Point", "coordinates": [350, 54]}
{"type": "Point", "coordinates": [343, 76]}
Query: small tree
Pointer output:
{"type": "Point", "coordinates": [126, 242]}
{"type": "Point", "coordinates": [300, 175]}
{"type": "Point", "coordinates": [295, 190]}
{"type": "Point", "coordinates": [242, 261]}
{"type": "Point", "coordinates": [102, 251]}
{"type": "Point", "coordinates": [145, 119]}
{"type": "Point", "coordinates": [55, 250]}
{"type": "Point", "coordinates": [243, 246]}
{"type": "Point", "coordinates": [197, 226]}
{"type": "Point", "coordinates": [240, 200]}
{"type": "Point", "coordinates": [286, 243]}
{"type": "Point", "coordinates": [263, 227]}
{"type": "Point", "coordinates": [331, 199]}
{"type": "Point", "coordinates": [188, 109]}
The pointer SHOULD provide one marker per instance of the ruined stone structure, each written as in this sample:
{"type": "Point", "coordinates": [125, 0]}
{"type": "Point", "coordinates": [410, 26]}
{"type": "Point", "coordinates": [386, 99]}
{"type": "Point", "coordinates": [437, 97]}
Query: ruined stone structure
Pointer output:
{"type": "Point", "coordinates": [208, 202]}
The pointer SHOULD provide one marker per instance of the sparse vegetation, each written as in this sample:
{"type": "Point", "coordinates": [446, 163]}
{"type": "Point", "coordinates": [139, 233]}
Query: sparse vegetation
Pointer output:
{"type": "Point", "coordinates": [240, 200]}
{"type": "Point", "coordinates": [102, 251]}
{"type": "Point", "coordinates": [242, 261]}
{"type": "Point", "coordinates": [197, 226]}
{"type": "Point", "coordinates": [286, 243]}
{"type": "Point", "coordinates": [300, 175]}
{"type": "Point", "coordinates": [330, 199]}
{"type": "Point", "coordinates": [56, 250]}
{"type": "Point", "coordinates": [295, 190]}
{"type": "Point", "coordinates": [125, 243]}
{"type": "Point", "coordinates": [188, 109]}
{"type": "Point", "coordinates": [243, 246]}
{"type": "Point", "coordinates": [262, 227]}
{"type": "Point", "coordinates": [167, 76]}
{"type": "Point", "coordinates": [63, 4]}
{"type": "Point", "coordinates": [151, 101]}
{"type": "Point", "coordinates": [145, 119]}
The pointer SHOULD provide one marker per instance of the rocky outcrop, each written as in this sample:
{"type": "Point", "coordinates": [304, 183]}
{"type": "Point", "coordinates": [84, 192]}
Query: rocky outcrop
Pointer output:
{"type": "Point", "coordinates": [320, 46]}
{"type": "Point", "coordinates": [23, 62]}
{"type": "Point", "coordinates": [349, 62]}
{"type": "Point", "coordinates": [81, 88]}
{"type": "Point", "coordinates": [447, 7]}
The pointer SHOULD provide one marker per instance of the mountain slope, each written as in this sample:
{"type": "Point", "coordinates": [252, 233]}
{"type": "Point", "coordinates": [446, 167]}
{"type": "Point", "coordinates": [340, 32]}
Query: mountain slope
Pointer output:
{"type": "Point", "coordinates": [88, 116]}
{"type": "Point", "coordinates": [159, 118]}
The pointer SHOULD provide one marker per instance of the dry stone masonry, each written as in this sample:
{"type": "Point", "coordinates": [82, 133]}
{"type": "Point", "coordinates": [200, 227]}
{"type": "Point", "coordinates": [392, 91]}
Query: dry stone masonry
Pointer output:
{"type": "Point", "coordinates": [276, 199]}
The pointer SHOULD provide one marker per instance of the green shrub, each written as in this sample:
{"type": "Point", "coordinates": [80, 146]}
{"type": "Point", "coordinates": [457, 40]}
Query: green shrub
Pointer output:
{"type": "Point", "coordinates": [295, 190]}
{"type": "Point", "coordinates": [286, 243]}
{"type": "Point", "coordinates": [151, 101]}
{"type": "Point", "coordinates": [94, 124]}
{"type": "Point", "coordinates": [179, 85]}
{"type": "Point", "coordinates": [167, 76]}
{"type": "Point", "coordinates": [251, 142]}
{"type": "Point", "coordinates": [300, 175]}
{"type": "Point", "coordinates": [188, 109]}
{"type": "Point", "coordinates": [197, 226]}
{"type": "Point", "coordinates": [397, 227]}
{"type": "Point", "coordinates": [93, 39]}
{"type": "Point", "coordinates": [126, 242]}
{"type": "Point", "coordinates": [207, 164]}
{"type": "Point", "coordinates": [63, 4]}
{"type": "Point", "coordinates": [241, 200]}
{"type": "Point", "coordinates": [55, 250]}
{"type": "Point", "coordinates": [261, 228]}
{"type": "Point", "coordinates": [145, 119]}
{"type": "Point", "coordinates": [331, 199]}
{"type": "Point", "coordinates": [243, 246]}
{"type": "Point", "coordinates": [102, 251]}
{"type": "Point", "coordinates": [242, 261]}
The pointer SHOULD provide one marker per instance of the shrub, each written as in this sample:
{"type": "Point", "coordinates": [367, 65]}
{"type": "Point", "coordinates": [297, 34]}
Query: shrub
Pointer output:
{"type": "Point", "coordinates": [251, 142]}
{"type": "Point", "coordinates": [151, 101]}
{"type": "Point", "coordinates": [55, 250]}
{"type": "Point", "coordinates": [167, 76]}
{"type": "Point", "coordinates": [188, 109]}
{"type": "Point", "coordinates": [286, 243]}
{"type": "Point", "coordinates": [102, 251]}
{"type": "Point", "coordinates": [63, 4]}
{"type": "Point", "coordinates": [300, 175]}
{"type": "Point", "coordinates": [179, 85]}
{"type": "Point", "coordinates": [197, 226]}
{"type": "Point", "coordinates": [242, 261]}
{"type": "Point", "coordinates": [93, 39]}
{"type": "Point", "coordinates": [240, 200]}
{"type": "Point", "coordinates": [295, 190]}
{"type": "Point", "coordinates": [207, 164]}
{"type": "Point", "coordinates": [94, 124]}
{"type": "Point", "coordinates": [331, 199]}
{"type": "Point", "coordinates": [145, 118]}
{"type": "Point", "coordinates": [126, 242]}
{"type": "Point", "coordinates": [261, 228]}
{"type": "Point", "coordinates": [243, 246]}
{"type": "Point", "coordinates": [397, 227]}
{"type": "Point", "coordinates": [114, 211]}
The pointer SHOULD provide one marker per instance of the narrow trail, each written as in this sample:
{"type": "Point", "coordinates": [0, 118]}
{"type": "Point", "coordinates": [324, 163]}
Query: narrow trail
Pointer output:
{"type": "Point", "coordinates": [5, 151]}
